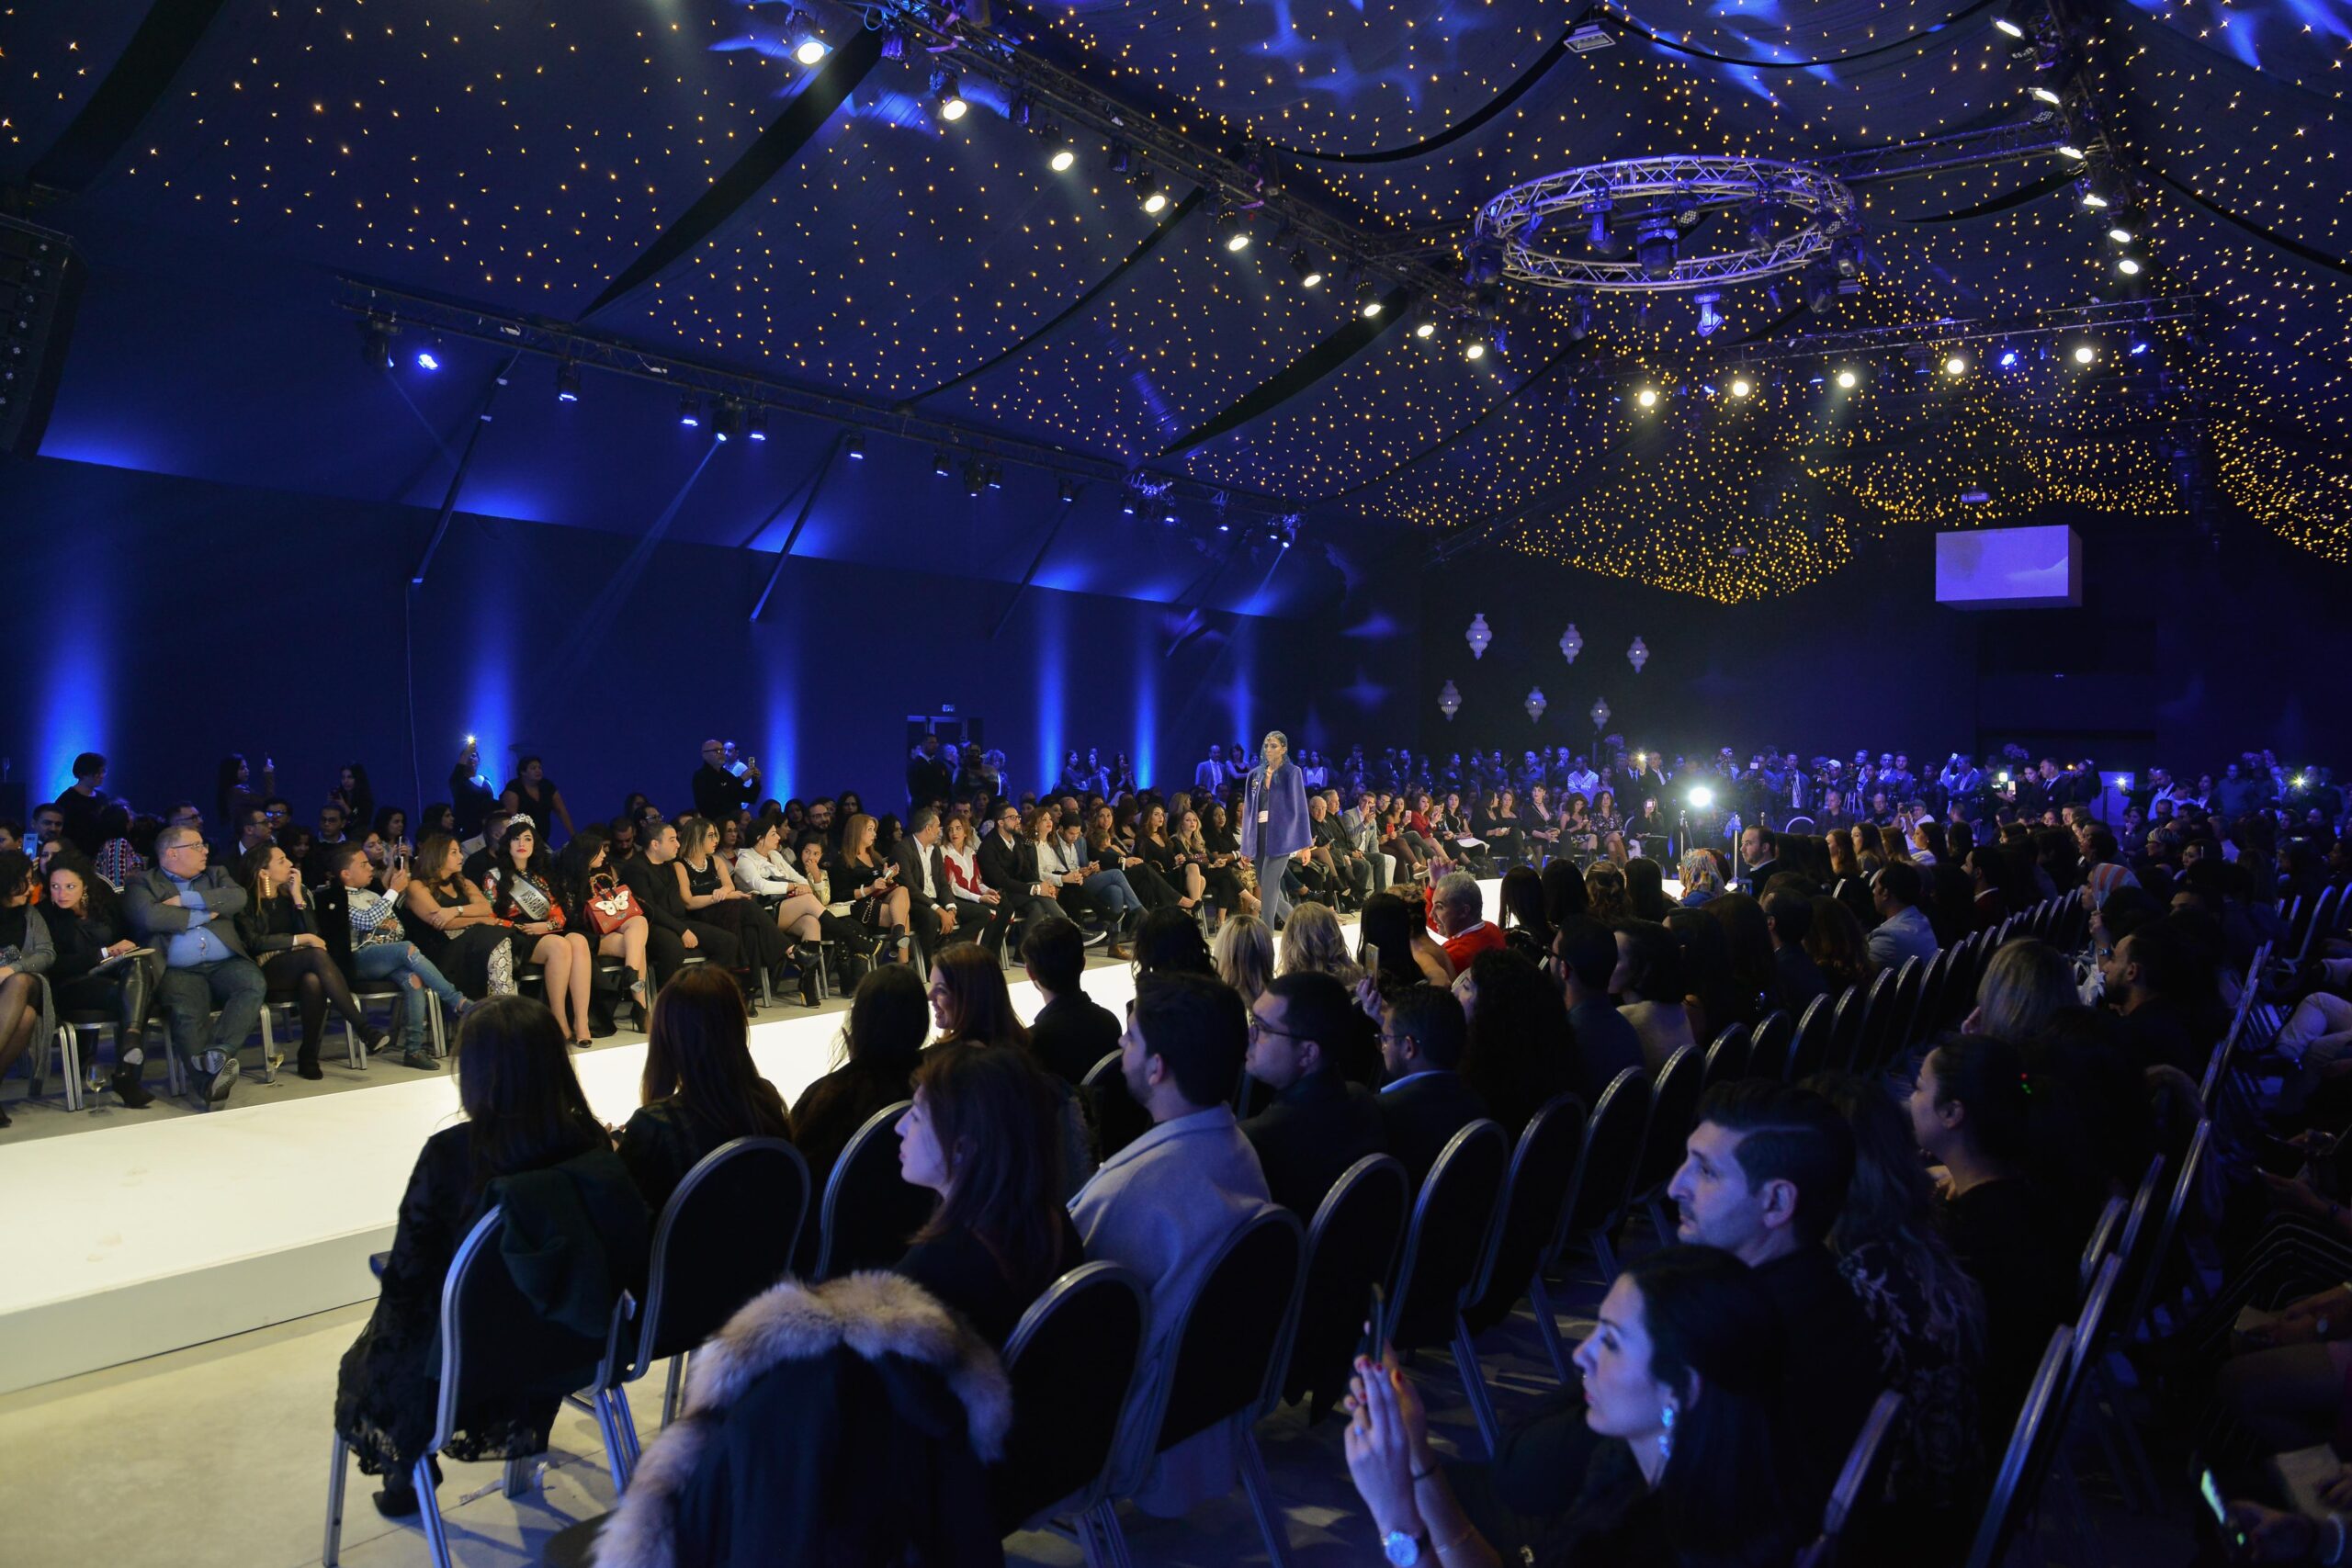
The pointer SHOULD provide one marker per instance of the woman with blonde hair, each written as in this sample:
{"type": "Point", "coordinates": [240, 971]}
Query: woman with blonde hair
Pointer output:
{"type": "Point", "coordinates": [1312, 943]}
{"type": "Point", "coordinates": [2026, 982]}
{"type": "Point", "coordinates": [1702, 880]}
{"type": "Point", "coordinates": [1244, 954]}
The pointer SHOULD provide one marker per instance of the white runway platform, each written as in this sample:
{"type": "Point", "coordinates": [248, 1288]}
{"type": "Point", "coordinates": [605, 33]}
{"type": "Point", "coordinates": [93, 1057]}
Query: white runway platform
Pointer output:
{"type": "Point", "coordinates": [146, 1237]}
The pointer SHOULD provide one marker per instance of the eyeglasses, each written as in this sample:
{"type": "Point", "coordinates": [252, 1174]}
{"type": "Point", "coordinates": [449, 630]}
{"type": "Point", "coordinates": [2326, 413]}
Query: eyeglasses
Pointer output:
{"type": "Point", "coordinates": [1260, 1028]}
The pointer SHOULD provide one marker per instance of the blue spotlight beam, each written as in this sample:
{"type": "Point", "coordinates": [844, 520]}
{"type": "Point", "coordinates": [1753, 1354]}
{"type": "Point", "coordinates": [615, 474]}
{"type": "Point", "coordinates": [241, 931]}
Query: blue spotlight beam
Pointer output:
{"type": "Point", "coordinates": [457, 475]}
{"type": "Point", "coordinates": [1061, 515]}
{"type": "Point", "coordinates": [808, 504]}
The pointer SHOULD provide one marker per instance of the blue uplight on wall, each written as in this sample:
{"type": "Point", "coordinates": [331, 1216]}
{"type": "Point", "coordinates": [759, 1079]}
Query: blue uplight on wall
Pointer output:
{"type": "Point", "coordinates": [76, 710]}
{"type": "Point", "coordinates": [1143, 749]}
{"type": "Point", "coordinates": [1052, 647]}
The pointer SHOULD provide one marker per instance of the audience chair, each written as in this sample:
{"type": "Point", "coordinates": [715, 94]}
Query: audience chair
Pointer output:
{"type": "Point", "coordinates": [1101, 1071]}
{"type": "Point", "coordinates": [1351, 1246]}
{"type": "Point", "coordinates": [870, 1213]}
{"type": "Point", "coordinates": [393, 993]}
{"type": "Point", "coordinates": [1446, 1250]}
{"type": "Point", "coordinates": [1605, 1171]}
{"type": "Point", "coordinates": [1845, 1039]}
{"type": "Point", "coordinates": [494, 1346]}
{"type": "Point", "coordinates": [1859, 1484]}
{"type": "Point", "coordinates": [1535, 1199]}
{"type": "Point", "coordinates": [1817, 1033]}
{"type": "Point", "coordinates": [1727, 1058]}
{"type": "Point", "coordinates": [1674, 1107]}
{"type": "Point", "coordinates": [725, 1234]}
{"type": "Point", "coordinates": [354, 1056]}
{"type": "Point", "coordinates": [2104, 1234]}
{"type": "Point", "coordinates": [2017, 1483]}
{"type": "Point", "coordinates": [1073, 1363]}
{"type": "Point", "coordinates": [85, 1024]}
{"type": "Point", "coordinates": [1868, 1049]}
{"type": "Point", "coordinates": [2152, 1291]}
{"type": "Point", "coordinates": [1775, 1040]}
{"type": "Point", "coordinates": [1230, 1344]}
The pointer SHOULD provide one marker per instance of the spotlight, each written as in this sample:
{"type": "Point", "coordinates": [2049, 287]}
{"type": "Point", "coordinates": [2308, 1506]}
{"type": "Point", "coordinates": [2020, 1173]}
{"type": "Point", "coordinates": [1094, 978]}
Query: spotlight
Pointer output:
{"type": "Point", "coordinates": [428, 360]}
{"type": "Point", "coordinates": [1646, 397]}
{"type": "Point", "coordinates": [690, 411]}
{"type": "Point", "coordinates": [2139, 345]}
{"type": "Point", "coordinates": [975, 479]}
{"type": "Point", "coordinates": [2122, 232]}
{"type": "Point", "coordinates": [1426, 328]}
{"type": "Point", "coordinates": [1310, 275]}
{"type": "Point", "coordinates": [1741, 386]}
{"type": "Point", "coordinates": [1955, 364]}
{"type": "Point", "coordinates": [1068, 490]}
{"type": "Point", "coordinates": [1702, 797]}
{"type": "Point", "coordinates": [1127, 507]}
{"type": "Point", "coordinates": [1820, 286]}
{"type": "Point", "coordinates": [1235, 233]}
{"type": "Point", "coordinates": [2085, 353]}
{"type": "Point", "coordinates": [2016, 19]}
{"type": "Point", "coordinates": [946, 94]}
{"type": "Point", "coordinates": [2093, 197]}
{"type": "Point", "coordinates": [2043, 93]}
{"type": "Point", "coordinates": [1065, 157]}
{"type": "Point", "coordinates": [1657, 246]}
{"type": "Point", "coordinates": [724, 418]}
{"type": "Point", "coordinates": [1147, 191]}
{"type": "Point", "coordinates": [1847, 379]}
{"type": "Point", "coordinates": [1120, 157]}
{"type": "Point", "coordinates": [1474, 350]}
{"type": "Point", "coordinates": [376, 343]}
{"type": "Point", "coordinates": [812, 50]}
{"type": "Point", "coordinates": [854, 446]}
{"type": "Point", "coordinates": [2128, 266]}
{"type": "Point", "coordinates": [940, 466]}
{"type": "Point", "coordinates": [1368, 303]}
{"type": "Point", "coordinates": [566, 382]}
{"type": "Point", "coordinates": [2009, 360]}
{"type": "Point", "coordinates": [994, 473]}
{"type": "Point", "coordinates": [1709, 317]}
{"type": "Point", "coordinates": [1760, 219]}
{"type": "Point", "coordinates": [1168, 516]}
{"type": "Point", "coordinates": [755, 426]}
{"type": "Point", "coordinates": [2068, 149]}
{"type": "Point", "coordinates": [1580, 315]}
{"type": "Point", "coordinates": [1599, 236]}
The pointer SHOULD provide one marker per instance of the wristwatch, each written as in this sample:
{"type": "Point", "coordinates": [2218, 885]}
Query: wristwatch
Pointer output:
{"type": "Point", "coordinates": [1402, 1550]}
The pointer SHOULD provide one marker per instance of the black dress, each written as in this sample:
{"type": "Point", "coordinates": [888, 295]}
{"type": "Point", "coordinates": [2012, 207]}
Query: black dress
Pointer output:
{"type": "Point", "coordinates": [2006, 1234]}
{"type": "Point", "coordinates": [963, 1274]}
{"type": "Point", "coordinates": [664, 1140]}
{"type": "Point", "coordinates": [77, 982]}
{"type": "Point", "coordinates": [477, 960]}
{"type": "Point", "coordinates": [860, 888]}
{"type": "Point", "coordinates": [831, 1109]}
{"type": "Point", "coordinates": [763, 945]}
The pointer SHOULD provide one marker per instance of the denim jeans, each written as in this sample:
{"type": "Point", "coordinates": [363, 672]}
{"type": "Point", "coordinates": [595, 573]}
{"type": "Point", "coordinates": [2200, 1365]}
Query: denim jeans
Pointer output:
{"type": "Point", "coordinates": [386, 959]}
{"type": "Point", "coordinates": [1114, 897]}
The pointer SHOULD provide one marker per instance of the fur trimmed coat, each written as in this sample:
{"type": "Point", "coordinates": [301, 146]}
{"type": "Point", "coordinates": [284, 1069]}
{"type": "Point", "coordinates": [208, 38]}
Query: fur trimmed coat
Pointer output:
{"type": "Point", "coordinates": [848, 1423]}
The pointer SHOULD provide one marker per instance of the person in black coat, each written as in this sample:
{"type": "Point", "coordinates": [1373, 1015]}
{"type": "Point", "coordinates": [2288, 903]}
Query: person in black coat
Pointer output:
{"type": "Point", "coordinates": [1008, 864]}
{"type": "Point", "coordinates": [1071, 1031]}
{"type": "Point", "coordinates": [1422, 1038]}
{"type": "Point", "coordinates": [1788, 915]}
{"type": "Point", "coordinates": [718, 792]}
{"type": "Point", "coordinates": [699, 1089]}
{"type": "Point", "coordinates": [931, 777]}
{"type": "Point", "coordinates": [889, 1017]}
{"type": "Point", "coordinates": [922, 872]}
{"type": "Point", "coordinates": [1319, 1123]}
{"type": "Point", "coordinates": [675, 932]}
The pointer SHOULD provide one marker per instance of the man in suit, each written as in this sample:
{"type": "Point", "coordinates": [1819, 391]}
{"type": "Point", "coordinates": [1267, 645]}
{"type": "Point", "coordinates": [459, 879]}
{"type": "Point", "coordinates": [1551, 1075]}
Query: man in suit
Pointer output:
{"type": "Point", "coordinates": [1319, 1123]}
{"type": "Point", "coordinates": [930, 776]}
{"type": "Point", "coordinates": [1423, 1036]}
{"type": "Point", "coordinates": [1584, 953]}
{"type": "Point", "coordinates": [183, 907]}
{"type": "Point", "coordinates": [1360, 830]}
{"type": "Point", "coordinates": [1759, 856]}
{"type": "Point", "coordinates": [1788, 915]}
{"type": "Point", "coordinates": [717, 793]}
{"type": "Point", "coordinates": [922, 872]}
{"type": "Point", "coordinates": [1009, 868]}
{"type": "Point", "coordinates": [1208, 778]}
{"type": "Point", "coordinates": [672, 932]}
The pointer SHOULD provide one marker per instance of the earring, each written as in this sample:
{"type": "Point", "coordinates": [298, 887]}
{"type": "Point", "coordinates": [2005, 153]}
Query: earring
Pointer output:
{"type": "Point", "coordinates": [1666, 1435]}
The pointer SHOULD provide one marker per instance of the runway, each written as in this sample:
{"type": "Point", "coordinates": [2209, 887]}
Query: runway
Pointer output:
{"type": "Point", "coordinates": [138, 1238]}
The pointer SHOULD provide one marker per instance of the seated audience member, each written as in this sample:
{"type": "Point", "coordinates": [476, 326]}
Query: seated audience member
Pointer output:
{"type": "Point", "coordinates": [99, 968]}
{"type": "Point", "coordinates": [1457, 910]}
{"type": "Point", "coordinates": [674, 934]}
{"type": "Point", "coordinates": [524, 1113]}
{"type": "Point", "coordinates": [119, 859]}
{"type": "Point", "coordinates": [451, 923]}
{"type": "Point", "coordinates": [1070, 1031]}
{"type": "Point", "coordinates": [985, 1134]}
{"type": "Point", "coordinates": [981, 912]}
{"type": "Point", "coordinates": [1904, 929]}
{"type": "Point", "coordinates": [764, 868]}
{"type": "Point", "coordinates": [1788, 915]}
{"type": "Point", "coordinates": [1317, 1124]}
{"type": "Point", "coordinates": [1701, 878]}
{"type": "Point", "coordinates": [614, 924]}
{"type": "Point", "coordinates": [1404, 954]}
{"type": "Point", "coordinates": [1971, 1113]}
{"type": "Point", "coordinates": [480, 853]}
{"type": "Point", "coordinates": [1646, 888]}
{"type": "Point", "coordinates": [284, 940]}
{"type": "Point", "coordinates": [922, 876]}
{"type": "Point", "coordinates": [2027, 982]}
{"type": "Point", "coordinates": [700, 1088]}
{"type": "Point", "coordinates": [28, 1001]}
{"type": "Point", "coordinates": [187, 911]}
{"type": "Point", "coordinates": [1839, 944]}
{"type": "Point", "coordinates": [522, 894]}
{"type": "Point", "coordinates": [1313, 943]}
{"type": "Point", "coordinates": [1243, 954]}
{"type": "Point", "coordinates": [380, 949]}
{"type": "Point", "coordinates": [1926, 1313]}
{"type": "Point", "coordinates": [1764, 1177]}
{"type": "Point", "coordinates": [1518, 1056]}
{"type": "Point", "coordinates": [1164, 1205]}
{"type": "Point", "coordinates": [1423, 1041]}
{"type": "Point", "coordinates": [708, 891]}
{"type": "Point", "coordinates": [889, 1017]}
{"type": "Point", "coordinates": [2144, 978]}
{"type": "Point", "coordinates": [1584, 956]}
{"type": "Point", "coordinates": [867, 881]}
{"type": "Point", "coordinates": [1008, 865]}
{"type": "Point", "coordinates": [1684, 1456]}
{"type": "Point", "coordinates": [1648, 980]}
{"type": "Point", "coordinates": [1527, 926]}
{"type": "Point", "coordinates": [1605, 896]}
{"type": "Point", "coordinates": [970, 1002]}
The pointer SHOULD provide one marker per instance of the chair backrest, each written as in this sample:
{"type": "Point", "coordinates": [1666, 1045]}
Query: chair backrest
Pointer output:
{"type": "Point", "coordinates": [495, 1346]}
{"type": "Point", "coordinates": [1613, 1138]}
{"type": "Point", "coordinates": [1108, 1067]}
{"type": "Point", "coordinates": [1768, 1053]}
{"type": "Point", "coordinates": [1811, 1037]}
{"type": "Point", "coordinates": [2039, 1424]}
{"type": "Point", "coordinates": [1879, 1005]}
{"type": "Point", "coordinates": [1913, 1010]}
{"type": "Point", "coordinates": [2139, 1222]}
{"type": "Point", "coordinates": [1233, 1336]}
{"type": "Point", "coordinates": [1535, 1195]}
{"type": "Point", "coordinates": [1074, 1362]}
{"type": "Point", "coordinates": [1674, 1100]}
{"type": "Point", "coordinates": [2152, 1264]}
{"type": "Point", "coordinates": [1351, 1248]}
{"type": "Point", "coordinates": [2104, 1234]}
{"type": "Point", "coordinates": [2092, 1322]}
{"type": "Point", "coordinates": [1727, 1058]}
{"type": "Point", "coordinates": [1846, 1025]}
{"type": "Point", "coordinates": [1864, 1476]}
{"type": "Point", "coordinates": [1826, 1023]}
{"type": "Point", "coordinates": [870, 1211]}
{"type": "Point", "coordinates": [1451, 1233]}
{"type": "Point", "coordinates": [725, 1234]}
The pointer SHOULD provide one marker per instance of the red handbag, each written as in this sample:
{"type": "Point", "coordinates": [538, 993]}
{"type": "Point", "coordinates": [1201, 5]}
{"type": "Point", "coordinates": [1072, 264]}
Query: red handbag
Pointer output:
{"type": "Point", "coordinates": [611, 905]}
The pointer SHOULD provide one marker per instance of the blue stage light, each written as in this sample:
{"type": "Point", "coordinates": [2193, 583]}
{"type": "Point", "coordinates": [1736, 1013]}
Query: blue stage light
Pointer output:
{"type": "Point", "coordinates": [428, 360]}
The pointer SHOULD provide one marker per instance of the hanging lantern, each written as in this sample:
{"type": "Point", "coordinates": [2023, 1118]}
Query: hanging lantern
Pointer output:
{"type": "Point", "coordinates": [1600, 712]}
{"type": "Point", "coordinates": [1638, 654]}
{"type": "Point", "coordinates": [1535, 705]}
{"type": "Point", "coordinates": [1449, 701]}
{"type": "Point", "coordinates": [1571, 642]}
{"type": "Point", "coordinates": [1478, 636]}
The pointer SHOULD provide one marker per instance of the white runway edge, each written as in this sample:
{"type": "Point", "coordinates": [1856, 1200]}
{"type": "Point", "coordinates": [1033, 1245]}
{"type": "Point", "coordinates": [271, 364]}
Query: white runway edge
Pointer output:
{"type": "Point", "coordinates": [141, 1237]}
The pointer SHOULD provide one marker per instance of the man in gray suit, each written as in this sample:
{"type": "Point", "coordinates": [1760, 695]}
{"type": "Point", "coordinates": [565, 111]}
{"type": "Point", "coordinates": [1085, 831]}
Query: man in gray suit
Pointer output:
{"type": "Point", "coordinates": [183, 910]}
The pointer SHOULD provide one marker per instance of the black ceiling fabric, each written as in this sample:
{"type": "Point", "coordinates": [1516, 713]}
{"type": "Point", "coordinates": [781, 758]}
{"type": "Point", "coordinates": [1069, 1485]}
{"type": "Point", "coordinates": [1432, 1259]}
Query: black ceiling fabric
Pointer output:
{"type": "Point", "coordinates": [139, 77]}
{"type": "Point", "coordinates": [1459, 129]}
{"type": "Point", "coordinates": [1625, 23]}
{"type": "Point", "coordinates": [2032, 190]}
{"type": "Point", "coordinates": [2268, 236]}
{"type": "Point", "coordinates": [1350, 340]}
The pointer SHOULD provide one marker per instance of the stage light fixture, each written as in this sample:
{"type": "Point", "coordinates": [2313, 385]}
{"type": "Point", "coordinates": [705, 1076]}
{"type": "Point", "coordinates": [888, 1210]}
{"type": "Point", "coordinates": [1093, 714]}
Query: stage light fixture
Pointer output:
{"type": "Point", "coordinates": [1847, 379]}
{"type": "Point", "coordinates": [1709, 317]}
{"type": "Point", "coordinates": [725, 419]}
{"type": "Point", "coordinates": [755, 425]}
{"type": "Point", "coordinates": [1310, 275]}
{"type": "Point", "coordinates": [2084, 354]}
{"type": "Point", "coordinates": [1702, 797]}
{"type": "Point", "coordinates": [1065, 155]}
{"type": "Point", "coordinates": [1657, 246]}
{"type": "Point", "coordinates": [975, 479]}
{"type": "Point", "coordinates": [2041, 91]}
{"type": "Point", "coordinates": [1426, 328]}
{"type": "Point", "coordinates": [1761, 219]}
{"type": "Point", "coordinates": [2140, 345]}
{"type": "Point", "coordinates": [1955, 364]}
{"type": "Point", "coordinates": [940, 465]}
{"type": "Point", "coordinates": [854, 446]}
{"type": "Point", "coordinates": [1147, 191]}
{"type": "Point", "coordinates": [690, 411]}
{"type": "Point", "coordinates": [1127, 507]}
{"type": "Point", "coordinates": [2123, 233]}
{"type": "Point", "coordinates": [1368, 302]}
{"type": "Point", "coordinates": [566, 382]}
{"type": "Point", "coordinates": [2068, 149]}
{"type": "Point", "coordinates": [948, 96]}
{"type": "Point", "coordinates": [1233, 231]}
{"type": "Point", "coordinates": [1740, 387]}
{"type": "Point", "coordinates": [1121, 159]}
{"type": "Point", "coordinates": [2128, 266]}
{"type": "Point", "coordinates": [1598, 234]}
{"type": "Point", "coordinates": [2009, 360]}
{"type": "Point", "coordinates": [428, 360]}
{"type": "Point", "coordinates": [1068, 491]}
{"type": "Point", "coordinates": [811, 50]}
{"type": "Point", "coordinates": [1474, 350]}
{"type": "Point", "coordinates": [376, 343]}
{"type": "Point", "coordinates": [1646, 397]}
{"type": "Point", "coordinates": [1580, 315]}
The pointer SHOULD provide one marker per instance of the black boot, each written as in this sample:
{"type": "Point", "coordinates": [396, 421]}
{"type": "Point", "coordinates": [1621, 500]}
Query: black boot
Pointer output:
{"type": "Point", "coordinates": [306, 1061]}
{"type": "Point", "coordinates": [125, 1083]}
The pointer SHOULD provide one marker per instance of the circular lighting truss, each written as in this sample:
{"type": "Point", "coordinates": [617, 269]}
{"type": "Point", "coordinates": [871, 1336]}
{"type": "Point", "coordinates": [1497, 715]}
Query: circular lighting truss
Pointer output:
{"type": "Point", "coordinates": [1794, 216]}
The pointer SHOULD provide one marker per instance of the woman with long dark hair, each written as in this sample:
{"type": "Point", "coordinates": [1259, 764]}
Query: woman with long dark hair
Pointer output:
{"type": "Point", "coordinates": [523, 1111]}
{"type": "Point", "coordinates": [277, 927]}
{"type": "Point", "coordinates": [1606, 898]}
{"type": "Point", "coordinates": [584, 879]}
{"type": "Point", "coordinates": [521, 890]}
{"type": "Point", "coordinates": [1645, 889]}
{"type": "Point", "coordinates": [1519, 1051]}
{"type": "Point", "coordinates": [1707, 987]}
{"type": "Point", "coordinates": [881, 1042]}
{"type": "Point", "coordinates": [985, 1134]}
{"type": "Point", "coordinates": [451, 923]}
{"type": "Point", "coordinates": [233, 791]}
{"type": "Point", "coordinates": [99, 966]}
{"type": "Point", "coordinates": [355, 795]}
{"type": "Point", "coordinates": [1407, 956]}
{"type": "Point", "coordinates": [1753, 977]}
{"type": "Point", "coordinates": [700, 1088]}
{"type": "Point", "coordinates": [709, 891]}
{"type": "Point", "coordinates": [1682, 1383]}
{"type": "Point", "coordinates": [1527, 924]}
{"type": "Point", "coordinates": [969, 1001]}
{"type": "Point", "coordinates": [1836, 943]}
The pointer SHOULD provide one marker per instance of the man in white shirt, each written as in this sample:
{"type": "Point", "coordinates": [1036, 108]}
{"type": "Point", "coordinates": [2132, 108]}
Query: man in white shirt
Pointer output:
{"type": "Point", "coordinates": [1582, 780]}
